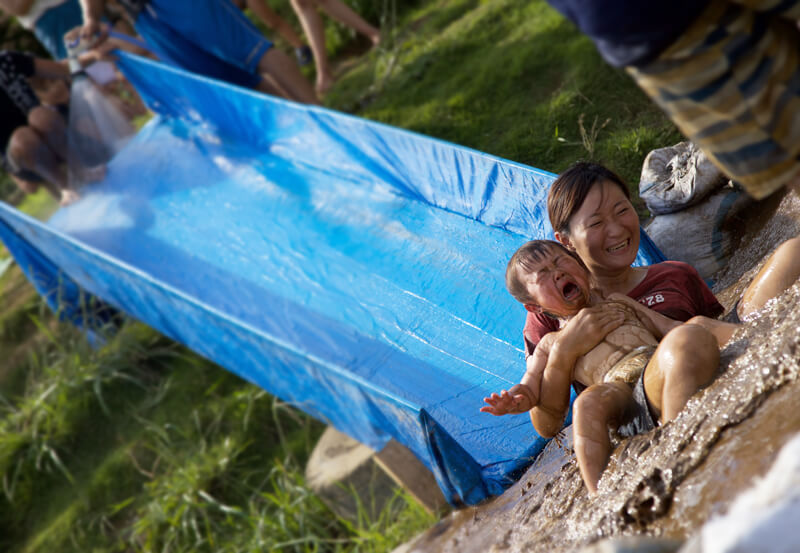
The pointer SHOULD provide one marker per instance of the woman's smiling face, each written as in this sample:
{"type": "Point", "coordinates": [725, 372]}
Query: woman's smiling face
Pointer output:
{"type": "Point", "coordinates": [604, 232]}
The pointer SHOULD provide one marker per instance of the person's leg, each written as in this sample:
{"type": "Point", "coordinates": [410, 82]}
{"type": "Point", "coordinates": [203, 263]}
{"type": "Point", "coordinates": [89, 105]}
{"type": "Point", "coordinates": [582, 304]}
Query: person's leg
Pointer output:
{"type": "Point", "coordinates": [315, 31]}
{"type": "Point", "coordinates": [342, 13]}
{"type": "Point", "coordinates": [721, 330]}
{"type": "Point", "coordinates": [781, 270]}
{"type": "Point", "coordinates": [285, 73]}
{"type": "Point", "coordinates": [594, 410]}
{"type": "Point", "coordinates": [686, 360]}
{"type": "Point", "coordinates": [49, 124]}
{"type": "Point", "coordinates": [27, 151]}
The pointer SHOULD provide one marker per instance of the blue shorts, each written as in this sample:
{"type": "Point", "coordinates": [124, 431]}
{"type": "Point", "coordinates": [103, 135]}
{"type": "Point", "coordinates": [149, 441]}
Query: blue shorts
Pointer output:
{"type": "Point", "coordinates": [56, 21]}
{"type": "Point", "coordinates": [209, 37]}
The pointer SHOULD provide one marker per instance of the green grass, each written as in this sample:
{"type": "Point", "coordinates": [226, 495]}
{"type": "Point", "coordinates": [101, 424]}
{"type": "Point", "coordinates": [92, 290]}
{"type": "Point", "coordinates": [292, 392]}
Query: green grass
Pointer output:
{"type": "Point", "coordinates": [141, 445]}
{"type": "Point", "coordinates": [508, 78]}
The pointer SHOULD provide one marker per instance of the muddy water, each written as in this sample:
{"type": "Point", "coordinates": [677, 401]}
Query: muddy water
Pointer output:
{"type": "Point", "coordinates": [667, 482]}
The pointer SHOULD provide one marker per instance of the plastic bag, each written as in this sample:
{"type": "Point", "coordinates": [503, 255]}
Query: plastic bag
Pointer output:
{"type": "Point", "coordinates": [697, 235]}
{"type": "Point", "coordinates": [677, 177]}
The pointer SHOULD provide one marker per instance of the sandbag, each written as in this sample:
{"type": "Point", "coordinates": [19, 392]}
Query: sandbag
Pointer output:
{"type": "Point", "coordinates": [697, 235]}
{"type": "Point", "coordinates": [677, 177]}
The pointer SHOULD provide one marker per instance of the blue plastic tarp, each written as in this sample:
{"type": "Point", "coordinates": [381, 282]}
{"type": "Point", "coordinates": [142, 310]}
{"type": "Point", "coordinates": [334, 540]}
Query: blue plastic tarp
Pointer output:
{"type": "Point", "coordinates": [353, 269]}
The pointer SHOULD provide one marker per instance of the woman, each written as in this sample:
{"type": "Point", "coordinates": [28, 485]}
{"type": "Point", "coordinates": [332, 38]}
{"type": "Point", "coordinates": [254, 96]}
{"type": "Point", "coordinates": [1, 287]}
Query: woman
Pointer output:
{"type": "Point", "coordinates": [590, 210]}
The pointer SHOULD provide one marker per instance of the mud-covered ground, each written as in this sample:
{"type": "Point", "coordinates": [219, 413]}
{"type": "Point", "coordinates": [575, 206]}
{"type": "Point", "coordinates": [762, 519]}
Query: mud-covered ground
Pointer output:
{"type": "Point", "coordinates": [670, 481]}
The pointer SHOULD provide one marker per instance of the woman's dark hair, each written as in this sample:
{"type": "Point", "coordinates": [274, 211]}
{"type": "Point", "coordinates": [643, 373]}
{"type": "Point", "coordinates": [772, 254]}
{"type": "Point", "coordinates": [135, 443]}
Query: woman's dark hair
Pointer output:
{"type": "Point", "coordinates": [570, 189]}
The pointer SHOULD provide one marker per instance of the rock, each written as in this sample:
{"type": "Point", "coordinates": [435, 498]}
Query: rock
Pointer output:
{"type": "Point", "coordinates": [343, 473]}
{"type": "Point", "coordinates": [350, 476]}
{"type": "Point", "coordinates": [698, 235]}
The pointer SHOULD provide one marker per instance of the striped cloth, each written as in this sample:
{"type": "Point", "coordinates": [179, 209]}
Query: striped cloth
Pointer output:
{"type": "Point", "coordinates": [731, 83]}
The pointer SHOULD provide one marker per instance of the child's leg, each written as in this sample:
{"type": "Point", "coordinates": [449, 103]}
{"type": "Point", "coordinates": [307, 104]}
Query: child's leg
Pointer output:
{"type": "Point", "coordinates": [686, 360]}
{"type": "Point", "coordinates": [595, 409]}
{"type": "Point", "coordinates": [781, 270]}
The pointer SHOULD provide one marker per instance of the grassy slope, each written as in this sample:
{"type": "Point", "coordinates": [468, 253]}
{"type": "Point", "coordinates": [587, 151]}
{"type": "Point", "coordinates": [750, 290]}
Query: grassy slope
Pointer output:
{"type": "Point", "coordinates": [141, 445]}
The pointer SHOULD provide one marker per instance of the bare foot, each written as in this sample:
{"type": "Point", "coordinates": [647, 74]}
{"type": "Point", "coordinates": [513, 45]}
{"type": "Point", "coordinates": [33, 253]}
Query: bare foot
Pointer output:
{"type": "Point", "coordinates": [68, 197]}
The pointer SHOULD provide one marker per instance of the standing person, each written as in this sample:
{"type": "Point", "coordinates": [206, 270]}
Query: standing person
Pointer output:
{"type": "Point", "coordinates": [49, 20]}
{"type": "Point", "coordinates": [311, 21]}
{"type": "Point", "coordinates": [209, 37]}
{"type": "Point", "coordinates": [32, 136]}
{"type": "Point", "coordinates": [590, 210]}
{"type": "Point", "coordinates": [727, 72]}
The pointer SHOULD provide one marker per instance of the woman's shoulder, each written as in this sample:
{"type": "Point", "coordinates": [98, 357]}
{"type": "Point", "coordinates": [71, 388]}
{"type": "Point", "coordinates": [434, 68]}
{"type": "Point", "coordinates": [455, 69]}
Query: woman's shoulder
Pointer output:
{"type": "Point", "coordinates": [657, 269]}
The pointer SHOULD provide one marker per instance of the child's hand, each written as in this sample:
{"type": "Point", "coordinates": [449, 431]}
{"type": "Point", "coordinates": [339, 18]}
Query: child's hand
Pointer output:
{"type": "Point", "coordinates": [507, 402]}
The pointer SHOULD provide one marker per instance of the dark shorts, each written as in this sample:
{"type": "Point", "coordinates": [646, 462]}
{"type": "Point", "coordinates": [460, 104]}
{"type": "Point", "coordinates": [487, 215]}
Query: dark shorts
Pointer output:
{"type": "Point", "coordinates": [639, 418]}
{"type": "Point", "coordinates": [209, 37]}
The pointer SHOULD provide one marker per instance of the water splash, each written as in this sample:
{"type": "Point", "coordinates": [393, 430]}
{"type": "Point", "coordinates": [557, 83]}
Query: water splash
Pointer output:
{"type": "Point", "coordinates": [97, 131]}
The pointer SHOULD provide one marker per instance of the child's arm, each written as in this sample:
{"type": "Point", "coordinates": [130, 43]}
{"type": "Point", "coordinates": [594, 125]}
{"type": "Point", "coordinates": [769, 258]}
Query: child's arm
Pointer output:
{"type": "Point", "coordinates": [523, 396]}
{"type": "Point", "coordinates": [548, 415]}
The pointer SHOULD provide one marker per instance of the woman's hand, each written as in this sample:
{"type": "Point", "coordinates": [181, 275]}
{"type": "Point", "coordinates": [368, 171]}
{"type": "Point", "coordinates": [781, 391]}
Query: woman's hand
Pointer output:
{"type": "Point", "coordinates": [655, 322]}
{"type": "Point", "coordinates": [588, 328]}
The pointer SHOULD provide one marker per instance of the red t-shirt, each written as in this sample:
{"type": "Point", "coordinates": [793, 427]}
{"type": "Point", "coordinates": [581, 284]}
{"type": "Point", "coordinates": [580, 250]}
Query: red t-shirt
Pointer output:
{"type": "Point", "coordinates": [672, 288]}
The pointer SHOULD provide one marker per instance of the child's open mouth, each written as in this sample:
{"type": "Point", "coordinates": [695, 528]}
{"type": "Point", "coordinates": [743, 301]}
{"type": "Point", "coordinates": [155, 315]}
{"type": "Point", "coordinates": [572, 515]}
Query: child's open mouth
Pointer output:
{"type": "Point", "coordinates": [570, 291]}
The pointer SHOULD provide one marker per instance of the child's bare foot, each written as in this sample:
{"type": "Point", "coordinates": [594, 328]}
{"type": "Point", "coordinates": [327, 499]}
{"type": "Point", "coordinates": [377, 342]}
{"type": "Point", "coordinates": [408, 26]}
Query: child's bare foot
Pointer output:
{"type": "Point", "coordinates": [68, 197]}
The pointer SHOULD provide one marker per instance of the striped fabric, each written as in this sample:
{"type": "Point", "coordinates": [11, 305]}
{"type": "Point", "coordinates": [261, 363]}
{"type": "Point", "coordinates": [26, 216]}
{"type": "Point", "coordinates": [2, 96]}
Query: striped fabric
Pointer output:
{"type": "Point", "coordinates": [731, 84]}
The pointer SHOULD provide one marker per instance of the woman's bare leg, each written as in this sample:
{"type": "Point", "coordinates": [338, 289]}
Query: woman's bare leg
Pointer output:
{"type": "Point", "coordinates": [686, 360]}
{"type": "Point", "coordinates": [781, 271]}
